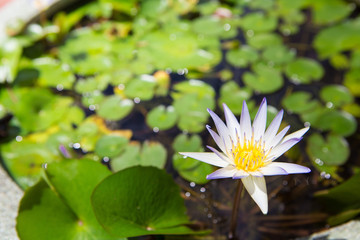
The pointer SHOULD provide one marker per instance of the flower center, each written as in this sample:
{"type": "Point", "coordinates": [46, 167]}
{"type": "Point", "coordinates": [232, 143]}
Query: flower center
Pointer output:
{"type": "Point", "coordinates": [250, 156]}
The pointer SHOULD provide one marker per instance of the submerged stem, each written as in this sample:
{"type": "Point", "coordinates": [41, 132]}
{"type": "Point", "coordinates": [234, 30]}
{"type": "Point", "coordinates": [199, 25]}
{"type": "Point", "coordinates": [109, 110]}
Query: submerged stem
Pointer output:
{"type": "Point", "coordinates": [234, 217]}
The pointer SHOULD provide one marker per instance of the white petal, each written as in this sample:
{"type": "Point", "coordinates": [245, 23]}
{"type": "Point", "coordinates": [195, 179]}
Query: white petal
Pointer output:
{"type": "Point", "coordinates": [297, 134]}
{"type": "Point", "coordinates": [221, 155]}
{"type": "Point", "coordinates": [222, 130]}
{"type": "Point", "coordinates": [256, 174]}
{"type": "Point", "coordinates": [217, 139]}
{"type": "Point", "coordinates": [275, 141]}
{"type": "Point", "coordinates": [256, 187]}
{"type": "Point", "coordinates": [210, 158]}
{"type": "Point", "coordinates": [225, 172]}
{"type": "Point", "coordinates": [240, 174]}
{"type": "Point", "coordinates": [270, 170]}
{"type": "Point", "coordinates": [273, 127]}
{"type": "Point", "coordinates": [231, 122]}
{"type": "Point", "coordinates": [259, 123]}
{"type": "Point", "coordinates": [290, 168]}
{"type": "Point", "coordinates": [245, 123]}
{"type": "Point", "coordinates": [282, 148]}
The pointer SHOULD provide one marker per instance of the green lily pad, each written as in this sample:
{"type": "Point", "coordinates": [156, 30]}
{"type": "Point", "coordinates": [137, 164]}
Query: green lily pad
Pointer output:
{"type": "Point", "coordinates": [143, 88]}
{"type": "Point", "coordinates": [189, 168]}
{"type": "Point", "coordinates": [326, 12]}
{"type": "Point", "coordinates": [241, 57]}
{"type": "Point", "coordinates": [92, 99]}
{"type": "Point", "coordinates": [62, 209]}
{"type": "Point", "coordinates": [208, 25]}
{"type": "Point", "coordinates": [304, 70]}
{"type": "Point", "coordinates": [92, 84]}
{"type": "Point", "coordinates": [110, 145]}
{"type": "Point", "coordinates": [150, 154]}
{"type": "Point", "coordinates": [339, 61]}
{"type": "Point", "coordinates": [233, 96]}
{"type": "Point", "coordinates": [162, 117]}
{"type": "Point", "coordinates": [338, 95]}
{"type": "Point", "coordinates": [10, 53]}
{"type": "Point", "coordinates": [352, 81]}
{"type": "Point", "coordinates": [265, 79]}
{"type": "Point", "coordinates": [299, 102]}
{"type": "Point", "coordinates": [258, 22]}
{"type": "Point", "coordinates": [338, 122]}
{"type": "Point", "coordinates": [193, 87]}
{"type": "Point", "coordinates": [332, 151]}
{"type": "Point", "coordinates": [53, 74]}
{"type": "Point", "coordinates": [278, 54]}
{"type": "Point", "coordinates": [127, 207]}
{"type": "Point", "coordinates": [263, 40]}
{"type": "Point", "coordinates": [344, 36]}
{"type": "Point", "coordinates": [115, 108]}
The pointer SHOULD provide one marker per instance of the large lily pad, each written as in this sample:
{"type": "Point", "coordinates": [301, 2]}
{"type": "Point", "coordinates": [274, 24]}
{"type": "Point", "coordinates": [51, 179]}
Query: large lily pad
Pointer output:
{"type": "Point", "coordinates": [338, 95]}
{"type": "Point", "coordinates": [304, 70]}
{"type": "Point", "coordinates": [162, 117]}
{"type": "Point", "coordinates": [339, 122]}
{"type": "Point", "coordinates": [258, 22]}
{"type": "Point", "coordinates": [61, 207]}
{"type": "Point", "coordinates": [299, 102]}
{"type": "Point", "coordinates": [115, 108]}
{"type": "Point", "coordinates": [233, 96]}
{"type": "Point", "coordinates": [126, 206]}
{"type": "Point", "coordinates": [242, 57]}
{"type": "Point", "coordinates": [110, 145]}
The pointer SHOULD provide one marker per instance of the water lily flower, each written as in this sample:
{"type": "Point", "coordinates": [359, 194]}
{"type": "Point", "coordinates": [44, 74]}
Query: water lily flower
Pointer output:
{"type": "Point", "coordinates": [249, 150]}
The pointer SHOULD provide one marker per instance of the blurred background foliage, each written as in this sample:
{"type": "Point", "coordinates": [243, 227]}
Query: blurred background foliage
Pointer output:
{"type": "Point", "coordinates": [127, 83]}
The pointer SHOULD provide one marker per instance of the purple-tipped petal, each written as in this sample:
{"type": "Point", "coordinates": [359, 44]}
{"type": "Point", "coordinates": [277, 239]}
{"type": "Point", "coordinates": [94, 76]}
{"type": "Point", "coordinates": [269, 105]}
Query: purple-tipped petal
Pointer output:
{"type": "Point", "coordinates": [290, 168]}
{"type": "Point", "coordinates": [282, 148]}
{"type": "Point", "coordinates": [221, 128]}
{"type": "Point", "coordinates": [217, 139]}
{"type": "Point", "coordinates": [277, 139]}
{"type": "Point", "coordinates": [231, 122]}
{"type": "Point", "coordinates": [226, 172]}
{"type": "Point", "coordinates": [273, 127]}
{"type": "Point", "coordinates": [220, 155]}
{"type": "Point", "coordinates": [271, 170]}
{"type": "Point", "coordinates": [240, 174]}
{"type": "Point", "coordinates": [256, 187]}
{"type": "Point", "coordinates": [297, 134]}
{"type": "Point", "coordinates": [259, 123]}
{"type": "Point", "coordinates": [210, 158]}
{"type": "Point", "coordinates": [245, 122]}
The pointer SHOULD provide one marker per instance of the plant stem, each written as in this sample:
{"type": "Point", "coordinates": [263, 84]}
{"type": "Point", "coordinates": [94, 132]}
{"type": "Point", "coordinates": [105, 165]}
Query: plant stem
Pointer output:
{"type": "Point", "coordinates": [234, 217]}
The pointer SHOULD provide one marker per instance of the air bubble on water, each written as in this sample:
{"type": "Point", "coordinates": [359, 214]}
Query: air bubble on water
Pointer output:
{"type": "Point", "coordinates": [155, 129]}
{"type": "Point", "coordinates": [319, 162]}
{"type": "Point", "coordinates": [250, 33]}
{"type": "Point", "coordinates": [92, 107]}
{"type": "Point", "coordinates": [192, 184]}
{"type": "Point", "coordinates": [106, 159]}
{"type": "Point", "coordinates": [19, 138]}
{"type": "Point", "coordinates": [227, 27]}
{"type": "Point", "coordinates": [76, 145]}
{"type": "Point", "coordinates": [137, 100]}
{"type": "Point", "coordinates": [187, 194]}
{"type": "Point", "coordinates": [202, 189]}
{"type": "Point", "coordinates": [59, 87]}
{"type": "Point", "coordinates": [329, 104]}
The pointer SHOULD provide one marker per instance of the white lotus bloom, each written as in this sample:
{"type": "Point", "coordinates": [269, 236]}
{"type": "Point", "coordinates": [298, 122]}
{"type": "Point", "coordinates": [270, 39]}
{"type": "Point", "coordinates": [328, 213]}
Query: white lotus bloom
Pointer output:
{"type": "Point", "coordinates": [248, 151]}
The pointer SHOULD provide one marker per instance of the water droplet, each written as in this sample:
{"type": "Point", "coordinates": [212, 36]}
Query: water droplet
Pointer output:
{"type": "Point", "coordinates": [227, 27]}
{"type": "Point", "coordinates": [19, 138]}
{"type": "Point", "coordinates": [215, 221]}
{"type": "Point", "coordinates": [155, 129]}
{"type": "Point", "coordinates": [137, 100]}
{"type": "Point", "coordinates": [202, 189]}
{"type": "Point", "coordinates": [184, 156]}
{"type": "Point", "coordinates": [327, 176]}
{"type": "Point", "coordinates": [44, 165]}
{"type": "Point", "coordinates": [209, 215]}
{"type": "Point", "coordinates": [250, 33]}
{"type": "Point", "coordinates": [329, 104]}
{"type": "Point", "coordinates": [187, 194]}
{"type": "Point", "coordinates": [121, 86]}
{"type": "Point", "coordinates": [286, 31]}
{"type": "Point", "coordinates": [76, 145]}
{"type": "Point", "coordinates": [192, 184]}
{"type": "Point", "coordinates": [168, 70]}
{"type": "Point", "coordinates": [307, 124]}
{"type": "Point", "coordinates": [285, 182]}
{"type": "Point", "coordinates": [319, 162]}
{"type": "Point", "coordinates": [92, 107]}
{"type": "Point", "coordinates": [106, 159]}
{"type": "Point", "coordinates": [181, 71]}
{"type": "Point", "coordinates": [59, 87]}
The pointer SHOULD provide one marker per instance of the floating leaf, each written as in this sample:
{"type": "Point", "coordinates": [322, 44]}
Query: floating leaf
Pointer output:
{"type": "Point", "coordinates": [263, 40]}
{"type": "Point", "coordinates": [352, 81]}
{"type": "Point", "coordinates": [162, 117]}
{"type": "Point", "coordinates": [233, 96]}
{"type": "Point", "coordinates": [208, 25]}
{"type": "Point", "coordinates": [299, 102]}
{"type": "Point", "coordinates": [338, 95]}
{"type": "Point", "coordinates": [110, 145]}
{"type": "Point", "coordinates": [127, 207]}
{"type": "Point", "coordinates": [278, 54]}
{"type": "Point", "coordinates": [330, 11]}
{"type": "Point", "coordinates": [339, 122]}
{"type": "Point", "coordinates": [265, 79]}
{"type": "Point", "coordinates": [304, 70]}
{"type": "Point", "coordinates": [63, 209]}
{"type": "Point", "coordinates": [10, 53]}
{"type": "Point", "coordinates": [143, 88]}
{"type": "Point", "coordinates": [258, 22]}
{"type": "Point", "coordinates": [241, 57]}
{"type": "Point", "coordinates": [333, 151]}
{"type": "Point", "coordinates": [115, 108]}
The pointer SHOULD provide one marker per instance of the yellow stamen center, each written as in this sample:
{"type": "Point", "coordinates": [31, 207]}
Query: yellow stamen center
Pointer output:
{"type": "Point", "coordinates": [250, 156]}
